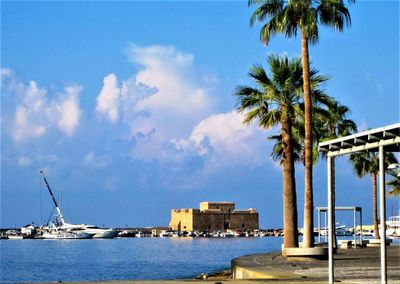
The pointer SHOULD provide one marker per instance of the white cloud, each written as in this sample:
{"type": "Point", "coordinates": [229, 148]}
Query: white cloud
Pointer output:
{"type": "Point", "coordinates": [69, 111]}
{"type": "Point", "coordinates": [101, 161]}
{"type": "Point", "coordinates": [170, 71]}
{"type": "Point", "coordinates": [4, 72]}
{"type": "Point", "coordinates": [108, 100]}
{"type": "Point", "coordinates": [30, 120]}
{"type": "Point", "coordinates": [24, 161]}
{"type": "Point", "coordinates": [35, 113]}
{"type": "Point", "coordinates": [227, 141]}
{"type": "Point", "coordinates": [169, 110]}
{"type": "Point", "coordinates": [161, 102]}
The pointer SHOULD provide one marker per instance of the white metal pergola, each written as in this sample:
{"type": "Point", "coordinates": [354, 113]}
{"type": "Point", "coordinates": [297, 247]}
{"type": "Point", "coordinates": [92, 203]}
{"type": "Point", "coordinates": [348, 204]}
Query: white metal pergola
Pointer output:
{"type": "Point", "coordinates": [376, 140]}
{"type": "Point", "coordinates": [354, 209]}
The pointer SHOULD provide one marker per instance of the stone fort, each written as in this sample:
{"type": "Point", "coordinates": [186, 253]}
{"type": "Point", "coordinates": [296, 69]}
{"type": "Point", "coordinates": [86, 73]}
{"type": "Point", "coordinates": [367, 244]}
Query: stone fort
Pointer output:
{"type": "Point", "coordinates": [214, 216]}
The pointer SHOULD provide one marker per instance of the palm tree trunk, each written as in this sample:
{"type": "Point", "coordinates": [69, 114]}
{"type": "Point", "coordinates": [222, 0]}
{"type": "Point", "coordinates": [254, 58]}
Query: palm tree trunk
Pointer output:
{"type": "Point", "coordinates": [290, 225]}
{"type": "Point", "coordinates": [308, 237]}
{"type": "Point", "coordinates": [375, 207]}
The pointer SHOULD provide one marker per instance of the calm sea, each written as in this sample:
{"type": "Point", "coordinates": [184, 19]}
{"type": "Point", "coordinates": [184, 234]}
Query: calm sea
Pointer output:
{"type": "Point", "coordinates": [122, 259]}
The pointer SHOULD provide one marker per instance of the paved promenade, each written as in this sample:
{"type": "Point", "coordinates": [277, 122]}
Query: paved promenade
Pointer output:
{"type": "Point", "coordinates": [351, 266]}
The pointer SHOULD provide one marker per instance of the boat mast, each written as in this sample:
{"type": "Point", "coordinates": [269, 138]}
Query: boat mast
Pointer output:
{"type": "Point", "coordinates": [54, 200]}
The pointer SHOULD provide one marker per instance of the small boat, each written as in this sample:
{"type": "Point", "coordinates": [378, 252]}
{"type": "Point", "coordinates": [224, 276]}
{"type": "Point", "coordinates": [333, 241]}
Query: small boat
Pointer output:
{"type": "Point", "coordinates": [228, 234]}
{"type": "Point", "coordinates": [103, 233]}
{"type": "Point", "coordinates": [163, 234]}
{"type": "Point", "coordinates": [342, 231]}
{"type": "Point", "coordinates": [176, 234]}
{"type": "Point", "coordinates": [216, 234]}
{"type": "Point", "coordinates": [393, 226]}
{"type": "Point", "coordinates": [15, 237]}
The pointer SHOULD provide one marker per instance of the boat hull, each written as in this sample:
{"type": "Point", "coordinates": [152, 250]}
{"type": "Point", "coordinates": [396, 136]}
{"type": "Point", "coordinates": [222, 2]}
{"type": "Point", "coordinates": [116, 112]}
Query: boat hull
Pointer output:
{"type": "Point", "coordinates": [15, 237]}
{"type": "Point", "coordinates": [106, 234]}
{"type": "Point", "coordinates": [67, 235]}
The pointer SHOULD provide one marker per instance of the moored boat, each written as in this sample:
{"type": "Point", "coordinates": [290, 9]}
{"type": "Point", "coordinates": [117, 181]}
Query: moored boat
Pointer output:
{"type": "Point", "coordinates": [67, 230]}
{"type": "Point", "coordinates": [66, 234]}
{"type": "Point", "coordinates": [15, 237]}
{"type": "Point", "coordinates": [101, 233]}
{"type": "Point", "coordinates": [393, 226]}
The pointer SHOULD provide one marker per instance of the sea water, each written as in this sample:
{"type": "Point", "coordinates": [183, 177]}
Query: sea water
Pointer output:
{"type": "Point", "coordinates": [123, 258]}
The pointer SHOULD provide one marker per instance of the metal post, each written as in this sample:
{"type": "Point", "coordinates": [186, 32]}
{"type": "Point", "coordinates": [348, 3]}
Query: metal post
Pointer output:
{"type": "Point", "coordinates": [382, 200]}
{"type": "Point", "coordinates": [319, 225]}
{"type": "Point", "coordinates": [330, 229]}
{"type": "Point", "coordinates": [355, 228]}
{"type": "Point", "coordinates": [361, 235]}
{"type": "Point", "coordinates": [326, 225]}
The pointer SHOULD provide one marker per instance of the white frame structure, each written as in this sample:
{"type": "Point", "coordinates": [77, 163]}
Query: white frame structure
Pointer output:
{"type": "Point", "coordinates": [376, 140]}
{"type": "Point", "coordinates": [354, 209]}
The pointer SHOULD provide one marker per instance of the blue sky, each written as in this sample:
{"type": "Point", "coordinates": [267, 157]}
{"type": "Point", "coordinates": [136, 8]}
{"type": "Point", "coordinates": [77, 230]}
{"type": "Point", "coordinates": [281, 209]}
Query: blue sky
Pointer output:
{"type": "Point", "coordinates": [128, 108]}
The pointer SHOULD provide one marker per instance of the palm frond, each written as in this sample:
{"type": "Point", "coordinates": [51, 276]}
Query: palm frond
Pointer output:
{"type": "Point", "coordinates": [258, 74]}
{"type": "Point", "coordinates": [334, 13]}
{"type": "Point", "coordinates": [394, 184]}
{"type": "Point", "coordinates": [247, 98]}
{"type": "Point", "coordinates": [267, 8]}
{"type": "Point", "coordinates": [270, 119]}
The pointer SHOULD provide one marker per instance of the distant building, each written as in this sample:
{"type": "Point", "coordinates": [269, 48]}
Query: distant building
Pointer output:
{"type": "Point", "coordinates": [214, 216]}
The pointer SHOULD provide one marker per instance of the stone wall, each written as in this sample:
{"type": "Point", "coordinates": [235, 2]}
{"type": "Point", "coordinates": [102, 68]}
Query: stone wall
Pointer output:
{"type": "Point", "coordinates": [223, 206]}
{"type": "Point", "coordinates": [244, 221]}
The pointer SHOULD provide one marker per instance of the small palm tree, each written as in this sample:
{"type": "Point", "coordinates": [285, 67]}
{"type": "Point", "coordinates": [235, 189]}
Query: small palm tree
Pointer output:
{"type": "Point", "coordinates": [287, 17]}
{"type": "Point", "coordinates": [368, 163]}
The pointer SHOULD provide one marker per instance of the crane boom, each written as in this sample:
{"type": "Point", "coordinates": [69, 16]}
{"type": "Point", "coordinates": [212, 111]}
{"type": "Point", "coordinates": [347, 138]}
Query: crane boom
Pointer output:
{"type": "Point", "coordinates": [54, 200]}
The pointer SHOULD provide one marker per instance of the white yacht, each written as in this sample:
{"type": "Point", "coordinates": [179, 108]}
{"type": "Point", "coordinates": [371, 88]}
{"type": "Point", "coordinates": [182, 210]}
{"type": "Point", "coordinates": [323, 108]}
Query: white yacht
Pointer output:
{"type": "Point", "coordinates": [60, 234]}
{"type": "Point", "coordinates": [340, 230]}
{"type": "Point", "coordinates": [91, 229]}
{"type": "Point", "coordinates": [66, 228]}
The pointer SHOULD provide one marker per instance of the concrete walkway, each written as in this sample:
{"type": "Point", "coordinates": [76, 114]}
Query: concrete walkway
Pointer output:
{"type": "Point", "coordinates": [351, 266]}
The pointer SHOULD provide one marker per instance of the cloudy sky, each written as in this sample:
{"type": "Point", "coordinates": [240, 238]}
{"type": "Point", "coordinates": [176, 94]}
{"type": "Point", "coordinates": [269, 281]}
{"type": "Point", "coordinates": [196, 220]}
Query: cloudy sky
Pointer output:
{"type": "Point", "coordinates": [128, 108]}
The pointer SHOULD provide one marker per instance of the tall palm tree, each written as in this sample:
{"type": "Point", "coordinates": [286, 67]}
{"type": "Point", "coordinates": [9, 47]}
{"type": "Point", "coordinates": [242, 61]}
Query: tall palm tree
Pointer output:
{"type": "Point", "coordinates": [287, 17]}
{"type": "Point", "coordinates": [274, 101]}
{"type": "Point", "coordinates": [368, 163]}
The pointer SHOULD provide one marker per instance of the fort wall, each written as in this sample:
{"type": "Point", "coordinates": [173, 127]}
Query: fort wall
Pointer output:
{"type": "Point", "coordinates": [214, 216]}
